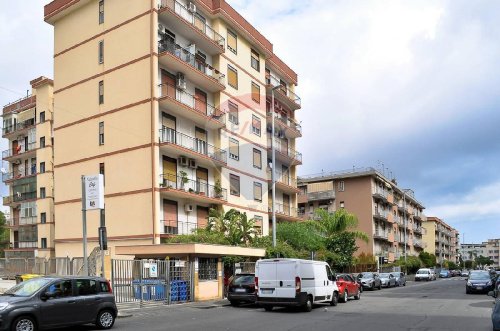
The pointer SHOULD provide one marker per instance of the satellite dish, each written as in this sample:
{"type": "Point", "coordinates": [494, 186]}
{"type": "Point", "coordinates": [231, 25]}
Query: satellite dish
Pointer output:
{"type": "Point", "coordinates": [3, 171]}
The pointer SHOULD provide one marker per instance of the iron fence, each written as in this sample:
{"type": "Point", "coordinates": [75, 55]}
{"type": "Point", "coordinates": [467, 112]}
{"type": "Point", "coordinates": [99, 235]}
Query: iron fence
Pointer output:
{"type": "Point", "coordinates": [62, 266]}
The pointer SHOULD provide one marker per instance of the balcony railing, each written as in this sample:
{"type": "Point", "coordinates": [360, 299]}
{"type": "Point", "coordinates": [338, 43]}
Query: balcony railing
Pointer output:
{"type": "Point", "coordinates": [284, 209]}
{"type": "Point", "coordinates": [176, 227]}
{"type": "Point", "coordinates": [380, 193]}
{"type": "Point", "coordinates": [17, 221]}
{"type": "Point", "coordinates": [380, 213]}
{"type": "Point", "coordinates": [19, 197]}
{"type": "Point", "coordinates": [198, 187]}
{"type": "Point", "coordinates": [322, 195]}
{"type": "Point", "coordinates": [188, 16]}
{"type": "Point", "coordinates": [196, 145]}
{"type": "Point", "coordinates": [20, 149]}
{"type": "Point", "coordinates": [284, 178]}
{"type": "Point", "coordinates": [167, 90]}
{"type": "Point", "coordinates": [24, 244]}
{"type": "Point", "coordinates": [187, 57]}
{"type": "Point", "coordinates": [284, 149]}
{"type": "Point", "coordinates": [378, 234]}
{"type": "Point", "coordinates": [18, 126]}
{"type": "Point", "coordinates": [273, 81]}
{"type": "Point", "coordinates": [19, 174]}
{"type": "Point", "coordinates": [286, 121]}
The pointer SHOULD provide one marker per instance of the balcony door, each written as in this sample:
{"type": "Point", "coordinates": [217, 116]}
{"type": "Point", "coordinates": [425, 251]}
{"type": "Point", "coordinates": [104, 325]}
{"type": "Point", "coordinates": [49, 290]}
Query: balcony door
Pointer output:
{"type": "Point", "coordinates": [167, 84]}
{"type": "Point", "coordinates": [200, 101]}
{"type": "Point", "coordinates": [284, 146]}
{"type": "Point", "coordinates": [169, 172]}
{"type": "Point", "coordinates": [286, 204]}
{"type": "Point", "coordinates": [170, 217]}
{"type": "Point", "coordinates": [201, 216]}
{"type": "Point", "coordinates": [15, 147]}
{"type": "Point", "coordinates": [202, 180]}
{"type": "Point", "coordinates": [284, 175]}
{"type": "Point", "coordinates": [201, 61]}
{"type": "Point", "coordinates": [201, 140]}
{"type": "Point", "coordinates": [168, 124]}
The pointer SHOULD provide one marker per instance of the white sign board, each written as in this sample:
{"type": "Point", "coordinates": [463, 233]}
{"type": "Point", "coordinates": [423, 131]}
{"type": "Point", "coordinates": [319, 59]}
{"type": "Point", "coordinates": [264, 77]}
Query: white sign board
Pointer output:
{"type": "Point", "coordinates": [153, 270]}
{"type": "Point", "coordinates": [94, 192]}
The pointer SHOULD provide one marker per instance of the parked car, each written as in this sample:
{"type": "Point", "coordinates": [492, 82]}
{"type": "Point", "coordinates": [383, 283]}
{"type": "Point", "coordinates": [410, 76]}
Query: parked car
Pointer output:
{"type": "Point", "coordinates": [370, 280]}
{"type": "Point", "coordinates": [51, 302]}
{"type": "Point", "coordinates": [241, 289]}
{"type": "Point", "coordinates": [479, 281]}
{"type": "Point", "coordinates": [294, 282]}
{"type": "Point", "coordinates": [495, 314]}
{"type": "Point", "coordinates": [444, 273]}
{"type": "Point", "coordinates": [424, 274]}
{"type": "Point", "coordinates": [355, 277]}
{"type": "Point", "coordinates": [400, 278]}
{"type": "Point", "coordinates": [387, 280]}
{"type": "Point", "coordinates": [348, 287]}
{"type": "Point", "coordinates": [464, 273]}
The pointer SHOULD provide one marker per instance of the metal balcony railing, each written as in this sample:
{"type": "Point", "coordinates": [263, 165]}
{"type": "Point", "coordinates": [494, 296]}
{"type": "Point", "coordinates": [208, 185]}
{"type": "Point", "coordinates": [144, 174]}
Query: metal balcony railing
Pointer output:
{"type": "Point", "coordinates": [198, 187]}
{"type": "Point", "coordinates": [284, 209]}
{"type": "Point", "coordinates": [17, 221]}
{"type": "Point", "coordinates": [273, 81]}
{"type": "Point", "coordinates": [322, 195]}
{"type": "Point", "coordinates": [176, 227]}
{"type": "Point", "coordinates": [284, 178]}
{"type": "Point", "coordinates": [288, 122]}
{"type": "Point", "coordinates": [196, 145]}
{"type": "Point", "coordinates": [19, 197]}
{"type": "Point", "coordinates": [381, 193]}
{"type": "Point", "coordinates": [24, 244]}
{"type": "Point", "coordinates": [167, 90]}
{"type": "Point", "coordinates": [284, 149]}
{"type": "Point", "coordinates": [20, 149]}
{"type": "Point", "coordinates": [18, 126]}
{"type": "Point", "coordinates": [19, 174]}
{"type": "Point", "coordinates": [381, 213]}
{"type": "Point", "coordinates": [379, 234]}
{"type": "Point", "coordinates": [194, 20]}
{"type": "Point", "coordinates": [189, 58]}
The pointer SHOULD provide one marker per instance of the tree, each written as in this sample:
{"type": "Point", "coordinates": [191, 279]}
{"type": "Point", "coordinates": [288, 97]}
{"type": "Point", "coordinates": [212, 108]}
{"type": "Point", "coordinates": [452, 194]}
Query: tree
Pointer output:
{"type": "Point", "coordinates": [483, 260]}
{"type": "Point", "coordinates": [428, 259]}
{"type": "Point", "coordinates": [411, 265]}
{"type": "Point", "coordinates": [300, 236]}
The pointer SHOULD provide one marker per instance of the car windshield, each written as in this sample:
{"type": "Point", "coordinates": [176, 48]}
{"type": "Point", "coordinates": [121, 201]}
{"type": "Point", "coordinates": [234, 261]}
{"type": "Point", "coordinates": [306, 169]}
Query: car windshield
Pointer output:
{"type": "Point", "coordinates": [366, 275]}
{"type": "Point", "coordinates": [243, 279]}
{"type": "Point", "coordinates": [384, 275]}
{"type": "Point", "coordinates": [479, 275]}
{"type": "Point", "coordinates": [420, 272]}
{"type": "Point", "coordinates": [27, 288]}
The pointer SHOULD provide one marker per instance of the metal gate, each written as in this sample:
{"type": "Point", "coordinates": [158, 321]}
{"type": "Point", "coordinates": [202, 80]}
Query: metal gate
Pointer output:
{"type": "Point", "coordinates": [151, 282]}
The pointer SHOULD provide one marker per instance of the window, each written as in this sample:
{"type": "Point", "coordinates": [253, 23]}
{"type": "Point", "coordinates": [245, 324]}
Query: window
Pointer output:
{"type": "Point", "coordinates": [256, 125]}
{"type": "Point", "coordinates": [233, 112]}
{"type": "Point", "coordinates": [42, 192]}
{"type": "Point", "coordinates": [62, 288]}
{"type": "Point", "coordinates": [86, 287]}
{"type": "Point", "coordinates": [234, 185]}
{"type": "Point", "coordinates": [101, 133]}
{"type": "Point", "coordinates": [101, 172]}
{"type": "Point", "coordinates": [42, 167]}
{"type": "Point", "coordinates": [105, 287]}
{"type": "Point", "coordinates": [207, 268]}
{"type": "Point", "coordinates": [44, 243]}
{"type": "Point", "coordinates": [341, 186]}
{"type": "Point", "coordinates": [101, 11]}
{"type": "Point", "coordinates": [101, 92]}
{"type": "Point", "coordinates": [342, 205]}
{"type": "Point", "coordinates": [257, 191]}
{"type": "Point", "coordinates": [42, 117]}
{"type": "Point", "coordinates": [255, 60]}
{"type": "Point", "coordinates": [258, 223]}
{"type": "Point", "coordinates": [255, 92]}
{"type": "Point", "coordinates": [232, 41]}
{"type": "Point", "coordinates": [101, 51]}
{"type": "Point", "coordinates": [234, 149]}
{"type": "Point", "coordinates": [42, 142]}
{"type": "Point", "coordinates": [257, 158]}
{"type": "Point", "coordinates": [232, 76]}
{"type": "Point", "coordinates": [43, 218]}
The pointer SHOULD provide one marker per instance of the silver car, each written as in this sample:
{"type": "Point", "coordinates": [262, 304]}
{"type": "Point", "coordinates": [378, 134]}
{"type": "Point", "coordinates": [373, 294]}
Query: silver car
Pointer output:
{"type": "Point", "coordinates": [400, 278]}
{"type": "Point", "coordinates": [387, 279]}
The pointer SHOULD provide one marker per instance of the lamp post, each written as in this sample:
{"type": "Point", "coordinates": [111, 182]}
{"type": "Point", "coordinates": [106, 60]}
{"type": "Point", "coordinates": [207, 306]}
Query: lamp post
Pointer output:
{"type": "Point", "coordinates": [273, 166]}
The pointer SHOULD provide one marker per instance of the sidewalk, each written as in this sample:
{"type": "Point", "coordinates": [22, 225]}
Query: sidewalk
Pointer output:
{"type": "Point", "coordinates": [6, 284]}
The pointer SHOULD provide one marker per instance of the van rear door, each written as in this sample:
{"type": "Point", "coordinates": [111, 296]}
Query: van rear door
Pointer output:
{"type": "Point", "coordinates": [286, 271]}
{"type": "Point", "coordinates": [266, 273]}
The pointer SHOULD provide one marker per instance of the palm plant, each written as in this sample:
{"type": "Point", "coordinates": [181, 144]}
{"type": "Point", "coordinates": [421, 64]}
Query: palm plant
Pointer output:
{"type": "Point", "coordinates": [341, 221]}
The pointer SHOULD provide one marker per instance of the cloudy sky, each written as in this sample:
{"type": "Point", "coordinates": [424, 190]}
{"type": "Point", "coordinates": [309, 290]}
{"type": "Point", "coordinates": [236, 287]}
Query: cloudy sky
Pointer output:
{"type": "Point", "coordinates": [412, 85]}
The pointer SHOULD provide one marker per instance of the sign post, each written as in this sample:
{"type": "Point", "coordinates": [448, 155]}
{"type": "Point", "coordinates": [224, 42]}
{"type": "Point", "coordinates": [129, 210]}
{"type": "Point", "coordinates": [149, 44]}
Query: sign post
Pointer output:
{"type": "Point", "coordinates": [92, 198]}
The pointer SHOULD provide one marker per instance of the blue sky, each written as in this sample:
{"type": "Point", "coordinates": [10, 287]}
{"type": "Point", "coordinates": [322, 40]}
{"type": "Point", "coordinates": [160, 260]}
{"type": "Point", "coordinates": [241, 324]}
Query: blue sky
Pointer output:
{"type": "Point", "coordinates": [410, 84]}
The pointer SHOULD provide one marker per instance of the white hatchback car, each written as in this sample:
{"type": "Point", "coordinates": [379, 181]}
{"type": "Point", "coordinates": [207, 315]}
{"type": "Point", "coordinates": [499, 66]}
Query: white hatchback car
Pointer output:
{"type": "Point", "coordinates": [424, 274]}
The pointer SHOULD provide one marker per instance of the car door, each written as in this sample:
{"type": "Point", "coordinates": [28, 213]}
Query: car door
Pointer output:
{"type": "Point", "coordinates": [89, 299]}
{"type": "Point", "coordinates": [331, 284]}
{"type": "Point", "coordinates": [353, 287]}
{"type": "Point", "coordinates": [61, 307]}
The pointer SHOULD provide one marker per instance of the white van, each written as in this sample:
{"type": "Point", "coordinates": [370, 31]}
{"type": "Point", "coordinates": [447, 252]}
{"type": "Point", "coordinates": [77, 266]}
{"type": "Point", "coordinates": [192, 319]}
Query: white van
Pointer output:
{"type": "Point", "coordinates": [294, 282]}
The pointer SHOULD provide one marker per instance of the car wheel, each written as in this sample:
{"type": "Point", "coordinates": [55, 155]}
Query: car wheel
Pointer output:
{"type": "Point", "coordinates": [357, 297]}
{"type": "Point", "coordinates": [24, 323]}
{"type": "Point", "coordinates": [309, 304]}
{"type": "Point", "coordinates": [345, 297]}
{"type": "Point", "coordinates": [234, 303]}
{"type": "Point", "coordinates": [467, 291]}
{"type": "Point", "coordinates": [404, 284]}
{"type": "Point", "coordinates": [380, 286]}
{"type": "Point", "coordinates": [335, 299]}
{"type": "Point", "coordinates": [361, 289]}
{"type": "Point", "coordinates": [268, 308]}
{"type": "Point", "coordinates": [105, 319]}
{"type": "Point", "coordinates": [373, 287]}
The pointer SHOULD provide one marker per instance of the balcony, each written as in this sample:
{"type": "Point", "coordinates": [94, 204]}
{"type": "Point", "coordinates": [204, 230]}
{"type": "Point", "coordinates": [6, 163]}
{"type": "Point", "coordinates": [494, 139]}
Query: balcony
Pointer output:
{"type": "Point", "coordinates": [380, 215]}
{"type": "Point", "coordinates": [181, 103]}
{"type": "Point", "coordinates": [20, 105]}
{"type": "Point", "coordinates": [418, 217]}
{"type": "Point", "coordinates": [182, 144]}
{"type": "Point", "coordinates": [14, 222]}
{"type": "Point", "coordinates": [18, 128]}
{"type": "Point", "coordinates": [23, 244]}
{"type": "Point", "coordinates": [8, 176]}
{"type": "Point", "coordinates": [321, 195]}
{"type": "Point", "coordinates": [291, 128]}
{"type": "Point", "coordinates": [417, 229]}
{"type": "Point", "coordinates": [284, 153]}
{"type": "Point", "coordinates": [194, 190]}
{"type": "Point", "coordinates": [419, 244]}
{"type": "Point", "coordinates": [285, 212]}
{"type": "Point", "coordinates": [284, 182]}
{"type": "Point", "coordinates": [18, 198]}
{"type": "Point", "coordinates": [180, 59]}
{"type": "Point", "coordinates": [283, 94]}
{"type": "Point", "coordinates": [174, 227]}
{"type": "Point", "coordinates": [381, 235]}
{"type": "Point", "coordinates": [380, 194]}
{"type": "Point", "coordinates": [179, 17]}
{"type": "Point", "coordinates": [19, 152]}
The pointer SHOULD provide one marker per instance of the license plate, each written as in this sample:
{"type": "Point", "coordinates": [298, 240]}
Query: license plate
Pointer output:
{"type": "Point", "coordinates": [240, 290]}
{"type": "Point", "coordinates": [266, 291]}
{"type": "Point", "coordinates": [479, 287]}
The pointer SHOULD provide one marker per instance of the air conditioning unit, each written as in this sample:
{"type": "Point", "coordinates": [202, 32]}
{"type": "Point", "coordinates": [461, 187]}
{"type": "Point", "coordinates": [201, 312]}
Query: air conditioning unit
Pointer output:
{"type": "Point", "coordinates": [161, 28]}
{"type": "Point", "coordinates": [192, 7]}
{"type": "Point", "coordinates": [183, 161]}
{"type": "Point", "coordinates": [181, 81]}
{"type": "Point", "coordinates": [188, 208]}
{"type": "Point", "coordinates": [192, 163]}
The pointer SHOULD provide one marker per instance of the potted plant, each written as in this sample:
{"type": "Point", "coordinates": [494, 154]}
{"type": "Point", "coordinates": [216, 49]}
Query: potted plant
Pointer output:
{"type": "Point", "coordinates": [184, 178]}
{"type": "Point", "coordinates": [218, 189]}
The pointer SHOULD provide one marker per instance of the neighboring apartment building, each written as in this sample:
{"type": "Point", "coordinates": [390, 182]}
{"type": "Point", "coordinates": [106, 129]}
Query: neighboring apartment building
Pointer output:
{"type": "Point", "coordinates": [489, 248]}
{"type": "Point", "coordinates": [441, 239]}
{"type": "Point", "coordinates": [384, 210]}
{"type": "Point", "coordinates": [471, 251]}
{"type": "Point", "coordinates": [28, 172]}
{"type": "Point", "coordinates": [171, 101]}
{"type": "Point", "coordinates": [493, 251]}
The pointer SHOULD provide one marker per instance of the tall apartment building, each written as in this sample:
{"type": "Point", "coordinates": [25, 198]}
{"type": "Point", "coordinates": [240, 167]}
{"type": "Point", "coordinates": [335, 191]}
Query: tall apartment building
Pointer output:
{"type": "Point", "coordinates": [471, 251]}
{"type": "Point", "coordinates": [171, 100]}
{"type": "Point", "coordinates": [384, 210]}
{"type": "Point", "coordinates": [441, 239]}
{"type": "Point", "coordinates": [493, 251]}
{"type": "Point", "coordinates": [489, 248]}
{"type": "Point", "coordinates": [28, 172]}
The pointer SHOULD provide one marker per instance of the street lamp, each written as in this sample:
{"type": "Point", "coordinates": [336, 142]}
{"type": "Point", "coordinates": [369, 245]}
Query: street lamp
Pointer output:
{"type": "Point", "coordinates": [273, 165]}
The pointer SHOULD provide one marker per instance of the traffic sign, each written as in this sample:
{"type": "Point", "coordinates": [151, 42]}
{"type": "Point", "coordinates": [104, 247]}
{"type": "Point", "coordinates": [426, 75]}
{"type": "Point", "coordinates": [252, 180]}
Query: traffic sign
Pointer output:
{"type": "Point", "coordinates": [94, 192]}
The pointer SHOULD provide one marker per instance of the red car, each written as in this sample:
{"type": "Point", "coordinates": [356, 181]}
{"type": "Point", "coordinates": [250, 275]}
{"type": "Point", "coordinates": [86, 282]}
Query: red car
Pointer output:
{"type": "Point", "coordinates": [348, 287]}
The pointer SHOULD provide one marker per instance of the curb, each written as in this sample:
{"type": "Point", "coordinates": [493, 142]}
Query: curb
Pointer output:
{"type": "Point", "coordinates": [123, 315]}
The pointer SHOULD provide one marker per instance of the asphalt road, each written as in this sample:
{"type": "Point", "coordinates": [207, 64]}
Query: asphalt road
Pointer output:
{"type": "Point", "coordinates": [429, 306]}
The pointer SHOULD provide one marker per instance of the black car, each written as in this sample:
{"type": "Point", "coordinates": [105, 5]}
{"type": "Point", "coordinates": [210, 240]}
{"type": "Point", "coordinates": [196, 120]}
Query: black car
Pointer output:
{"type": "Point", "coordinates": [370, 280]}
{"type": "Point", "coordinates": [478, 281]}
{"type": "Point", "coordinates": [242, 289]}
{"type": "Point", "coordinates": [51, 302]}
